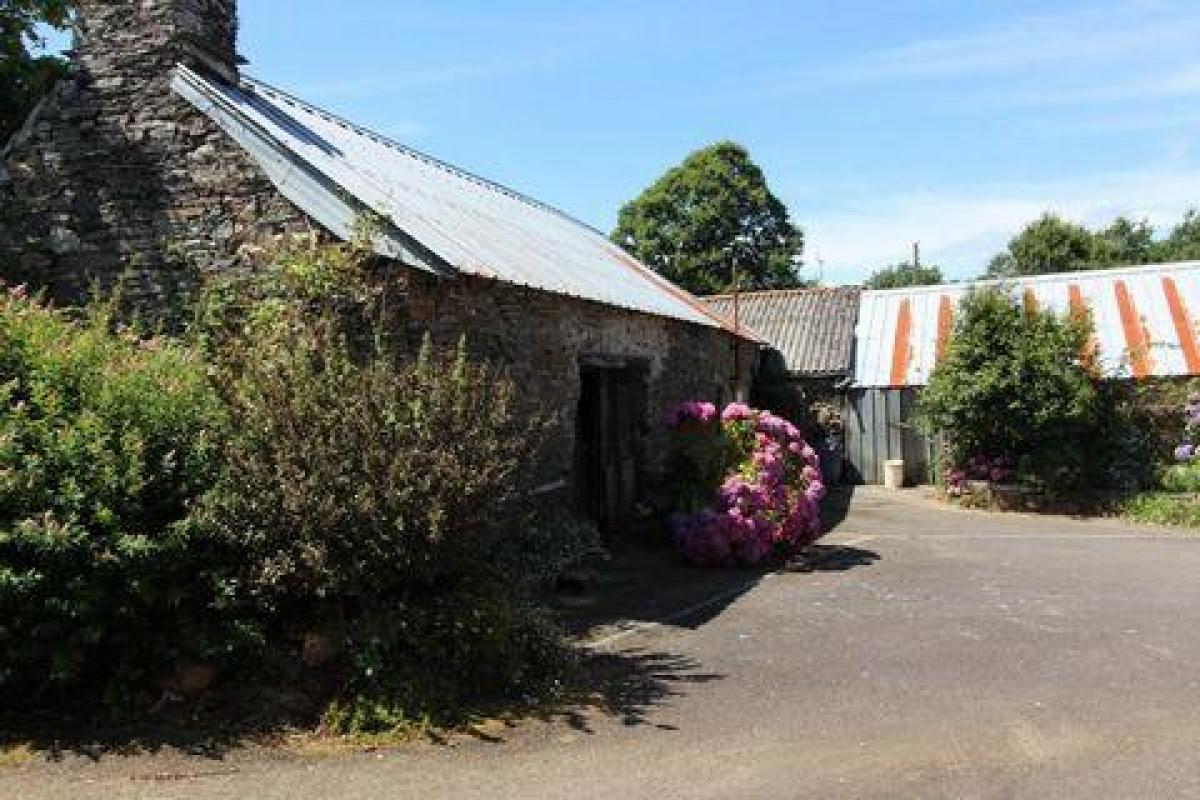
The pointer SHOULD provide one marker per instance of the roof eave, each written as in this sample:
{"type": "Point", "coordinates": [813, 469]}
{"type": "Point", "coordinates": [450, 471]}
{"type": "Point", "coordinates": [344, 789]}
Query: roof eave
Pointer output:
{"type": "Point", "coordinates": [310, 190]}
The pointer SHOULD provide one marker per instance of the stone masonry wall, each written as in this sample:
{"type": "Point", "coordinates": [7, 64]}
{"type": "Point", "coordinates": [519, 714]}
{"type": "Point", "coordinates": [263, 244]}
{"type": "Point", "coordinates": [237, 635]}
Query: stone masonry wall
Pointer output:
{"type": "Point", "coordinates": [542, 338]}
{"type": "Point", "coordinates": [116, 175]}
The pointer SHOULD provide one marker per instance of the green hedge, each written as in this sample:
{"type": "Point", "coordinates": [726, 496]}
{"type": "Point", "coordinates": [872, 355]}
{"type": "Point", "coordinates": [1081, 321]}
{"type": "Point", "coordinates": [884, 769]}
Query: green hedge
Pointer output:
{"type": "Point", "coordinates": [290, 481]}
{"type": "Point", "coordinates": [106, 441]}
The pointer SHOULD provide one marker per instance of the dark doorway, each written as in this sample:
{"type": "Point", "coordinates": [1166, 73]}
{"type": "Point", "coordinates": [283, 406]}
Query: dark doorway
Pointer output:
{"type": "Point", "coordinates": [608, 441]}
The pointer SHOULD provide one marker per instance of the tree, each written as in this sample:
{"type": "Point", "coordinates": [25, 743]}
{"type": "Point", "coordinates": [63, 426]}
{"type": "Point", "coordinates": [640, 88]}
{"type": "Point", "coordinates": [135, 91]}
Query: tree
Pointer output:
{"type": "Point", "coordinates": [24, 76]}
{"type": "Point", "coordinates": [1050, 244]}
{"type": "Point", "coordinates": [1013, 385]}
{"type": "Point", "coordinates": [701, 216]}
{"type": "Point", "coordinates": [905, 274]}
{"type": "Point", "coordinates": [1183, 244]}
{"type": "Point", "coordinates": [1125, 242]}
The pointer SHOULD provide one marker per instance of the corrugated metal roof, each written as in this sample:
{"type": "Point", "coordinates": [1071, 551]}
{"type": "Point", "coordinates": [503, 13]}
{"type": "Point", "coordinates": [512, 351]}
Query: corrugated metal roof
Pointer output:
{"type": "Point", "coordinates": [442, 219]}
{"type": "Point", "coordinates": [812, 328]}
{"type": "Point", "coordinates": [1146, 321]}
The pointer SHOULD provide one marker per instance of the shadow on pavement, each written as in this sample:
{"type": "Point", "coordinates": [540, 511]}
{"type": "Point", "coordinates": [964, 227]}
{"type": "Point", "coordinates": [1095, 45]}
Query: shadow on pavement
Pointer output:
{"type": "Point", "coordinates": [228, 719]}
{"type": "Point", "coordinates": [833, 558]}
{"type": "Point", "coordinates": [645, 580]}
{"type": "Point", "coordinates": [836, 507]}
{"type": "Point", "coordinates": [628, 685]}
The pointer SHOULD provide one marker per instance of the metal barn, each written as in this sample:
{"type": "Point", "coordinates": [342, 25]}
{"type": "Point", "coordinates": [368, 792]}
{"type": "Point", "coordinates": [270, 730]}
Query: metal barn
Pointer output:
{"type": "Point", "coordinates": [1146, 322]}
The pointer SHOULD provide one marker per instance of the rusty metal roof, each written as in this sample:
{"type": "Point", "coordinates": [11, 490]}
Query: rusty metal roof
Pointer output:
{"type": "Point", "coordinates": [436, 216]}
{"type": "Point", "coordinates": [812, 328]}
{"type": "Point", "coordinates": [1147, 321]}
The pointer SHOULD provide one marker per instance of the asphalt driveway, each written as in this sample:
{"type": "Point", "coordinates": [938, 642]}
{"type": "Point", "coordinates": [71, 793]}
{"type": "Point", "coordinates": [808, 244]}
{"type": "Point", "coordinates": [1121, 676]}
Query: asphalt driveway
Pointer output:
{"type": "Point", "coordinates": [939, 654]}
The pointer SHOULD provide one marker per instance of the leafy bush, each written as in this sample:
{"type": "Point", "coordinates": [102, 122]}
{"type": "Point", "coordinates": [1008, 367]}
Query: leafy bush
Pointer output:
{"type": "Point", "coordinates": [385, 491]}
{"type": "Point", "coordinates": [1182, 478]}
{"type": "Point", "coordinates": [106, 440]}
{"type": "Point", "coordinates": [1188, 449]}
{"type": "Point", "coordinates": [756, 482]}
{"type": "Point", "coordinates": [1013, 387]}
{"type": "Point", "coordinates": [1163, 508]}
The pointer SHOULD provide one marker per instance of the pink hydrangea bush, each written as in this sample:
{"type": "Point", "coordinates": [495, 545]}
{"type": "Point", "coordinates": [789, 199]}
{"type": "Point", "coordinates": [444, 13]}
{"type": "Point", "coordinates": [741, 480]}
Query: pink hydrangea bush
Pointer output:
{"type": "Point", "coordinates": [747, 485]}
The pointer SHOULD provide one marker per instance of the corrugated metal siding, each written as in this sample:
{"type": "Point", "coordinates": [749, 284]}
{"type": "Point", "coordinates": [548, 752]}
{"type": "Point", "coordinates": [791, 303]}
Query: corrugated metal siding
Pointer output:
{"type": "Point", "coordinates": [1146, 321]}
{"type": "Point", "coordinates": [447, 219]}
{"type": "Point", "coordinates": [879, 427]}
{"type": "Point", "coordinates": [812, 328]}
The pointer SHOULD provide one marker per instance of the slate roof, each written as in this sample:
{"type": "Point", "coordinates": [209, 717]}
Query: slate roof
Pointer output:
{"type": "Point", "coordinates": [436, 216]}
{"type": "Point", "coordinates": [812, 328]}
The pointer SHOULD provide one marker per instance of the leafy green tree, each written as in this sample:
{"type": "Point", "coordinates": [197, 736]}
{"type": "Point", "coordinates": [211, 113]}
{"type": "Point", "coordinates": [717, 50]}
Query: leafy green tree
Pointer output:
{"type": "Point", "coordinates": [24, 75]}
{"type": "Point", "coordinates": [1013, 385]}
{"type": "Point", "coordinates": [699, 217]}
{"type": "Point", "coordinates": [1050, 244]}
{"type": "Point", "coordinates": [905, 274]}
{"type": "Point", "coordinates": [1183, 244]}
{"type": "Point", "coordinates": [1125, 242]}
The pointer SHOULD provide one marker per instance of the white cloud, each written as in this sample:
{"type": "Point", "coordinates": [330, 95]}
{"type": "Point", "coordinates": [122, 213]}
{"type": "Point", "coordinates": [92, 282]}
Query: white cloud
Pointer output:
{"type": "Point", "coordinates": [1118, 121]}
{"type": "Point", "coordinates": [1027, 42]}
{"type": "Point", "coordinates": [962, 229]}
{"type": "Point", "coordinates": [1166, 83]}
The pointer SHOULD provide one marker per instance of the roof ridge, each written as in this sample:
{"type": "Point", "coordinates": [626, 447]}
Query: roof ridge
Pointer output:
{"type": "Point", "coordinates": [797, 290]}
{"type": "Point", "coordinates": [1048, 277]}
{"type": "Point", "coordinates": [387, 141]}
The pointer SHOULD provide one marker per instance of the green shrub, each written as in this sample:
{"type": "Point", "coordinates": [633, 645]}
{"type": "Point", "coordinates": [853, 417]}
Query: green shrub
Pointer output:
{"type": "Point", "coordinates": [1124, 451]}
{"type": "Point", "coordinates": [106, 439]}
{"type": "Point", "coordinates": [386, 490]}
{"type": "Point", "coordinates": [1184, 478]}
{"type": "Point", "coordinates": [291, 474]}
{"type": "Point", "coordinates": [1012, 386]}
{"type": "Point", "coordinates": [1163, 508]}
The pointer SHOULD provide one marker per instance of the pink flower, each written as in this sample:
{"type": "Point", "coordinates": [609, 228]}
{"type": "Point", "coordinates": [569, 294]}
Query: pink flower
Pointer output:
{"type": "Point", "coordinates": [769, 500]}
{"type": "Point", "coordinates": [736, 411]}
{"type": "Point", "coordinates": [810, 457]}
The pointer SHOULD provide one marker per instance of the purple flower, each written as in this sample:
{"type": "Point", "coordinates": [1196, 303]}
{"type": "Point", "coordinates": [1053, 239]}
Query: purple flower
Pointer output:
{"type": "Point", "coordinates": [1185, 452]}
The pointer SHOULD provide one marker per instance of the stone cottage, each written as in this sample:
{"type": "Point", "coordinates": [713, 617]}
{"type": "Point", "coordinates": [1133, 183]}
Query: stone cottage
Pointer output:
{"type": "Point", "coordinates": [157, 153]}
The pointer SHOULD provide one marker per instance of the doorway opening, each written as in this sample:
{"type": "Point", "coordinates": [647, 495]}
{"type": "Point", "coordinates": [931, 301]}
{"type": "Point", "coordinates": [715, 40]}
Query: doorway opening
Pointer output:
{"type": "Point", "coordinates": [609, 431]}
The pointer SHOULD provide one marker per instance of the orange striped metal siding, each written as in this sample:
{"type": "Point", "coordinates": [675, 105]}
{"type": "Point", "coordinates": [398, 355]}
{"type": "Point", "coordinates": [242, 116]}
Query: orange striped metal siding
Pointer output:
{"type": "Point", "coordinates": [1145, 317]}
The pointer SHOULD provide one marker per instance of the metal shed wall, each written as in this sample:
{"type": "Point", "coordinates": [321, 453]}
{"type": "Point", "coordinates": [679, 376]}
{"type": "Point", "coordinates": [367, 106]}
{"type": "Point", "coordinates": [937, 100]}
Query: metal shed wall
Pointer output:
{"type": "Point", "coordinates": [878, 425]}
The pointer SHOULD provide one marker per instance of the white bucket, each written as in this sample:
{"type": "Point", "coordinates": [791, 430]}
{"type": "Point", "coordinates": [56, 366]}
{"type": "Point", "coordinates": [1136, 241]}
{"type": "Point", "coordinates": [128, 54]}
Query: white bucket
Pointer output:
{"type": "Point", "coordinates": [893, 474]}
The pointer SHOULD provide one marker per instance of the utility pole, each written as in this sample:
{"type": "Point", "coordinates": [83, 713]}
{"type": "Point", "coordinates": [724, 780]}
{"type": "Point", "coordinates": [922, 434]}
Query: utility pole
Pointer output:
{"type": "Point", "coordinates": [734, 250]}
{"type": "Point", "coordinates": [916, 255]}
{"type": "Point", "coordinates": [737, 327]}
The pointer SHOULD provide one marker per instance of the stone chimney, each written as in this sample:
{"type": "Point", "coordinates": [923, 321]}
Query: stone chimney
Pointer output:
{"type": "Point", "coordinates": [120, 40]}
{"type": "Point", "coordinates": [116, 175]}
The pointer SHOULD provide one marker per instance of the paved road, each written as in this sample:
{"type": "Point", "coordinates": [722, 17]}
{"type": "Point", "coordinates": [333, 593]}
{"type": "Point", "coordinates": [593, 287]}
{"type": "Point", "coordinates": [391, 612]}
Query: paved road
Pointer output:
{"type": "Point", "coordinates": [976, 656]}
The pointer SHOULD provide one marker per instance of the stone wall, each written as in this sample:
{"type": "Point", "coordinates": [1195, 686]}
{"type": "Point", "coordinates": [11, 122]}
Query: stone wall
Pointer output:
{"type": "Point", "coordinates": [544, 338]}
{"type": "Point", "coordinates": [117, 175]}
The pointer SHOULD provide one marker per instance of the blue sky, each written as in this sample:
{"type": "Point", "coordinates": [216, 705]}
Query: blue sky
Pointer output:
{"type": "Point", "coordinates": [878, 123]}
